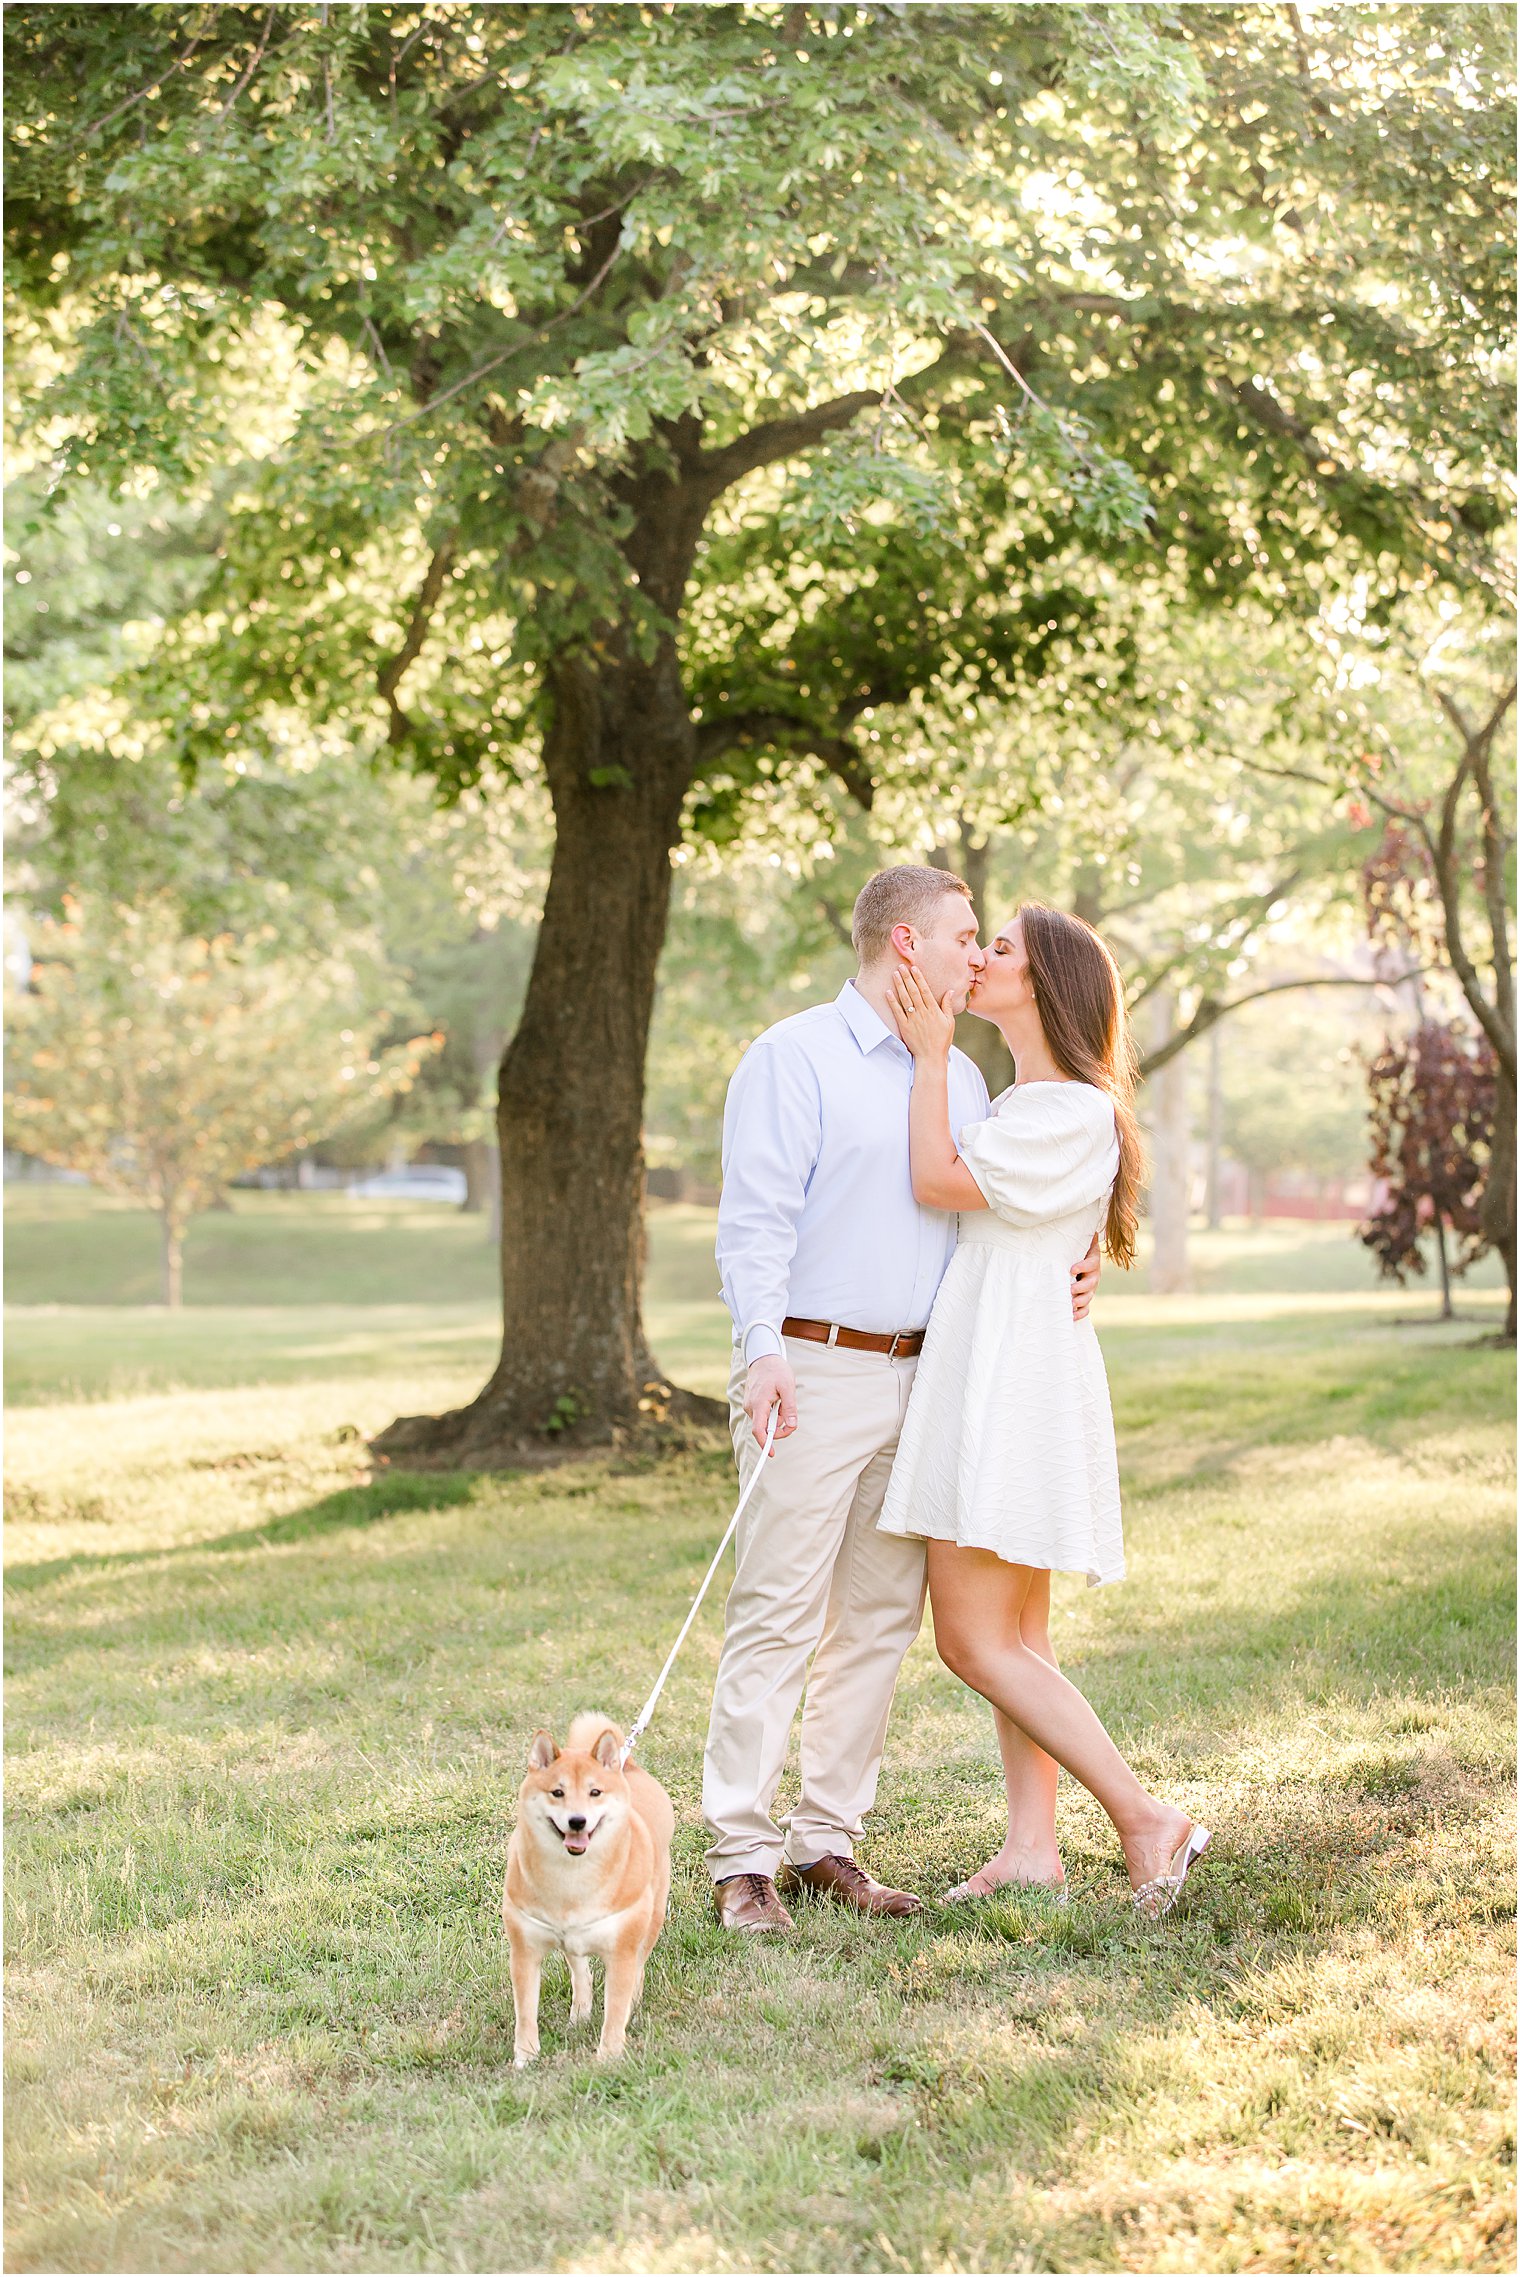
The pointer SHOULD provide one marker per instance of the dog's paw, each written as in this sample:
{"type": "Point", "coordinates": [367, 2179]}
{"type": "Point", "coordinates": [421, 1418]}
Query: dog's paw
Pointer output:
{"type": "Point", "coordinates": [522, 2057]}
{"type": "Point", "coordinates": [579, 2015]}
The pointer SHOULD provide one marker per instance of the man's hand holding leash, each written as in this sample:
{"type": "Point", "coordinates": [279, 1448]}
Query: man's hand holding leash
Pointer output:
{"type": "Point", "coordinates": [770, 1380]}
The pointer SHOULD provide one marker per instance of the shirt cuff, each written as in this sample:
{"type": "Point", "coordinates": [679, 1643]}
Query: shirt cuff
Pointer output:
{"type": "Point", "coordinates": [761, 1343]}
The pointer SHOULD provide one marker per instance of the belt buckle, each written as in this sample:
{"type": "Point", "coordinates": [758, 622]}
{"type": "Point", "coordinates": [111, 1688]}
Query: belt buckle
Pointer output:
{"type": "Point", "coordinates": [897, 1338]}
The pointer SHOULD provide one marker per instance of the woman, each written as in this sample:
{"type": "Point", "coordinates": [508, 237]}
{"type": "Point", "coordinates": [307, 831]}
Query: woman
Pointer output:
{"type": "Point", "coordinates": [1006, 1464]}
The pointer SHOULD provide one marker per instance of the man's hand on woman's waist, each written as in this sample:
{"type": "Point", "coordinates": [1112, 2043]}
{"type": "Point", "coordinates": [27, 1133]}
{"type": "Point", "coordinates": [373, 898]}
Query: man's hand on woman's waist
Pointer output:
{"type": "Point", "coordinates": [1084, 1282]}
{"type": "Point", "coordinates": [770, 1377]}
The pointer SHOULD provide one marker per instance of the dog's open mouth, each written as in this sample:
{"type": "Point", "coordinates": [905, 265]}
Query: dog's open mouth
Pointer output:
{"type": "Point", "coordinates": [575, 1843]}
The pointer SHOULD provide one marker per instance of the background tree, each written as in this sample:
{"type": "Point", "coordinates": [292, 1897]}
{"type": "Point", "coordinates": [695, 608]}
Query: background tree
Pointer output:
{"type": "Point", "coordinates": [1415, 723]}
{"type": "Point", "coordinates": [164, 1066]}
{"type": "Point", "coordinates": [1431, 1132]}
{"type": "Point", "coordinates": [432, 907]}
{"type": "Point", "coordinates": [706, 379]}
{"type": "Point", "coordinates": [1466, 840]}
{"type": "Point", "coordinates": [1293, 1088]}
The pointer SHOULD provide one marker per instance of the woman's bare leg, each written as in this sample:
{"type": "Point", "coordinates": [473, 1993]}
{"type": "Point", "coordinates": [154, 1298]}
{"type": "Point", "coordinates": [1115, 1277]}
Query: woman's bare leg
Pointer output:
{"type": "Point", "coordinates": [1029, 1853]}
{"type": "Point", "coordinates": [978, 1602]}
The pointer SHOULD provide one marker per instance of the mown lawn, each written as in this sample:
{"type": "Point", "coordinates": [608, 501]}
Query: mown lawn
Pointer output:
{"type": "Point", "coordinates": [266, 1720]}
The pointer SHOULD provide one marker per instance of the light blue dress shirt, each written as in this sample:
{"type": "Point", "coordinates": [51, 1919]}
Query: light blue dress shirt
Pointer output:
{"type": "Point", "coordinates": [817, 1216]}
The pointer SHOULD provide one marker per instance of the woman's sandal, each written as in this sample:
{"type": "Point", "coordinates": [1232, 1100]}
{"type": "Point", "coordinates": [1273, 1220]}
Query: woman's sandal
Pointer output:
{"type": "Point", "coordinates": [1157, 1897]}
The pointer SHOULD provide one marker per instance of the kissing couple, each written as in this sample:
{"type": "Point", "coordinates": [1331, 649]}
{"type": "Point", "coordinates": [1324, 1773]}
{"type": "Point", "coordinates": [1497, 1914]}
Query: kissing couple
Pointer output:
{"type": "Point", "coordinates": [909, 1267]}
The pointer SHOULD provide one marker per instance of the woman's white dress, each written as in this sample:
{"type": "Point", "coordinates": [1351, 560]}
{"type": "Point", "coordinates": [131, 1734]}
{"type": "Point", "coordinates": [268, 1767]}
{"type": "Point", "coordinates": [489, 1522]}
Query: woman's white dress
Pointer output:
{"type": "Point", "coordinates": [1008, 1442]}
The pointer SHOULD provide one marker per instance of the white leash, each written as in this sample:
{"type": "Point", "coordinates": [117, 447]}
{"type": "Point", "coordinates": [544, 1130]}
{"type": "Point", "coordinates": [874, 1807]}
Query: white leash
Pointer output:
{"type": "Point", "coordinates": [642, 1725]}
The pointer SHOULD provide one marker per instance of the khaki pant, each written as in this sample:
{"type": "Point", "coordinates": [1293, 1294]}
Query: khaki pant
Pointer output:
{"type": "Point", "coordinates": [813, 1578]}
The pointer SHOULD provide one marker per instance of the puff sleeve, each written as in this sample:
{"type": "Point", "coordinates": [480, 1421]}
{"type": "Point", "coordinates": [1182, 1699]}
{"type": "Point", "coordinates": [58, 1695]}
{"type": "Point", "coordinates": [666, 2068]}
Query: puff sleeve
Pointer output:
{"type": "Point", "coordinates": [1050, 1150]}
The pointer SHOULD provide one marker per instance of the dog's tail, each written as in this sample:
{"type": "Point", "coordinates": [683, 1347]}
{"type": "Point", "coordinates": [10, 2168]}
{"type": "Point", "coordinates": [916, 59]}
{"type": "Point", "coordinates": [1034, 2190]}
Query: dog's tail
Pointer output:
{"type": "Point", "coordinates": [587, 1728]}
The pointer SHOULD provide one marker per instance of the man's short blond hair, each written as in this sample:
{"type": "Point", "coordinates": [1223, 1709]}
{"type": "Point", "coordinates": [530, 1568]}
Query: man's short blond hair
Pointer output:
{"type": "Point", "coordinates": [907, 895]}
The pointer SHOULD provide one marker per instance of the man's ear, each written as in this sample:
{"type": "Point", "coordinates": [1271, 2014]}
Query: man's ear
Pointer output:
{"type": "Point", "coordinates": [608, 1748]}
{"type": "Point", "coordinates": [542, 1751]}
{"type": "Point", "coordinates": [905, 942]}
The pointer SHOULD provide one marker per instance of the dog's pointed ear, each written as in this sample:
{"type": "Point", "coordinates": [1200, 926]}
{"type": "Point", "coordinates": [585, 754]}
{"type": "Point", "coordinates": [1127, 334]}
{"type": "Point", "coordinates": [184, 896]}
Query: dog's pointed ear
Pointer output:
{"type": "Point", "coordinates": [542, 1751]}
{"type": "Point", "coordinates": [608, 1748]}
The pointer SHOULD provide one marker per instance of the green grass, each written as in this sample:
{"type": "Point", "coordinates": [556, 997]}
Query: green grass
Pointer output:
{"type": "Point", "coordinates": [67, 1245]}
{"type": "Point", "coordinates": [285, 1287]}
{"type": "Point", "coordinates": [266, 1722]}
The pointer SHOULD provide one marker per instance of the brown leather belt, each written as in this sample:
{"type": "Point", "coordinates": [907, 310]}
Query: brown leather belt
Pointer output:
{"type": "Point", "coordinates": [905, 1345]}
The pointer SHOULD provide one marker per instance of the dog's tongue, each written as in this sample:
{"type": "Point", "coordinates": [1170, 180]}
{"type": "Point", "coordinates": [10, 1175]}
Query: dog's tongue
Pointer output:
{"type": "Point", "coordinates": [576, 1843]}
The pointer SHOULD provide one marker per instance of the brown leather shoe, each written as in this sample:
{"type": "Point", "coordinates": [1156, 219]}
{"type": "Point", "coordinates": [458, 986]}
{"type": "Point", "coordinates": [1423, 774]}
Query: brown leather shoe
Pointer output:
{"type": "Point", "coordinates": [848, 1884]}
{"type": "Point", "coordinates": [749, 1901]}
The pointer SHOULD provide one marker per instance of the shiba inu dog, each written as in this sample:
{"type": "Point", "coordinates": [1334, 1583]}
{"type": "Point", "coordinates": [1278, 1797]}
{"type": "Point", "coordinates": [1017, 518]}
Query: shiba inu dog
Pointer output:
{"type": "Point", "coordinates": [588, 1872]}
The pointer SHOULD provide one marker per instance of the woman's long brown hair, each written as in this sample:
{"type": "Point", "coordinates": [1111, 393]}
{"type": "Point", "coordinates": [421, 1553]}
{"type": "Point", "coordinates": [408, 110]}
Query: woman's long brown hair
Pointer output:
{"type": "Point", "coordinates": [1080, 999]}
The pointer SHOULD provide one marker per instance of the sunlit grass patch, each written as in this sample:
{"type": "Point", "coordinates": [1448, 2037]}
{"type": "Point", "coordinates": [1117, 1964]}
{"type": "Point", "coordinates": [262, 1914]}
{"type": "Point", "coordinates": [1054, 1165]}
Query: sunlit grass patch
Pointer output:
{"type": "Point", "coordinates": [267, 1714]}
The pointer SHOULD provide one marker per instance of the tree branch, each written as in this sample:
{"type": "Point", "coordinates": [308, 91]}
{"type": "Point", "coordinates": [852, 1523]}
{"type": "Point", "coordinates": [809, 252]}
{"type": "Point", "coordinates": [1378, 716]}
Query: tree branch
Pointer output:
{"type": "Point", "coordinates": [391, 676]}
{"type": "Point", "coordinates": [1496, 1019]}
{"type": "Point", "coordinates": [153, 85]}
{"type": "Point", "coordinates": [518, 347]}
{"type": "Point", "coordinates": [1495, 846]}
{"type": "Point", "coordinates": [779, 438]}
{"type": "Point", "coordinates": [836, 921]}
{"type": "Point", "coordinates": [258, 57]}
{"type": "Point", "coordinates": [1499, 1030]}
{"type": "Point", "coordinates": [1210, 1012]}
{"type": "Point", "coordinates": [1358, 786]}
{"type": "Point", "coordinates": [1233, 929]}
{"type": "Point", "coordinates": [1473, 735]}
{"type": "Point", "coordinates": [1264, 407]}
{"type": "Point", "coordinates": [745, 729]}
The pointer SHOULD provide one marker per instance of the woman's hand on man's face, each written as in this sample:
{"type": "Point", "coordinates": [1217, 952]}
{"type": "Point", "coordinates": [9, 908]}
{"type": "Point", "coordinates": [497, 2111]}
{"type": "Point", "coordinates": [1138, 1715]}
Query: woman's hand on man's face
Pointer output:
{"type": "Point", "coordinates": [924, 1021]}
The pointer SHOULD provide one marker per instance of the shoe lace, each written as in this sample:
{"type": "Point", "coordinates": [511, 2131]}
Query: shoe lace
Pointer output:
{"type": "Point", "coordinates": [846, 1870]}
{"type": "Point", "coordinates": [757, 1888]}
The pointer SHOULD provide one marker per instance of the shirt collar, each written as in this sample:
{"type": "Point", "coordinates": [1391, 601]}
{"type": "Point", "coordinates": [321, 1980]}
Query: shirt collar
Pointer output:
{"type": "Point", "coordinates": [863, 1020]}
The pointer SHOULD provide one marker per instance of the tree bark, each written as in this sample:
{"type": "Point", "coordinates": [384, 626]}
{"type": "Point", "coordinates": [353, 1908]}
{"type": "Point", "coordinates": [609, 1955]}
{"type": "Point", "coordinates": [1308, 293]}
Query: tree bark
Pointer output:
{"type": "Point", "coordinates": [1497, 1017]}
{"type": "Point", "coordinates": [1499, 1190]}
{"type": "Point", "coordinates": [481, 1160]}
{"type": "Point", "coordinates": [482, 1157]}
{"type": "Point", "coordinates": [1170, 1145]}
{"type": "Point", "coordinates": [1212, 1209]}
{"type": "Point", "coordinates": [983, 1044]}
{"type": "Point", "coordinates": [171, 1259]}
{"type": "Point", "coordinates": [978, 1039]}
{"type": "Point", "coordinates": [1445, 1264]}
{"type": "Point", "coordinates": [575, 1365]}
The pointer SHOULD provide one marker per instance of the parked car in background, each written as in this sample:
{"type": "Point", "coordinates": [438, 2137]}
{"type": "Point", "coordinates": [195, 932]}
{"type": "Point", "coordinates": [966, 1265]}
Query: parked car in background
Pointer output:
{"type": "Point", "coordinates": [418, 1182]}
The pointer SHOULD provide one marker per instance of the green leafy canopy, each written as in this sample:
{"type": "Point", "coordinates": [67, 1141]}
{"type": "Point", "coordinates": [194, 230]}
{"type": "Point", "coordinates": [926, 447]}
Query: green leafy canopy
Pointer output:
{"type": "Point", "coordinates": [922, 306]}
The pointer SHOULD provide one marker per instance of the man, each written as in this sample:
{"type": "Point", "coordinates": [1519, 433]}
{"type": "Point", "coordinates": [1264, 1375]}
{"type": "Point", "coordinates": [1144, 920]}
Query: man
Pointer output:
{"type": "Point", "coordinates": [829, 1269]}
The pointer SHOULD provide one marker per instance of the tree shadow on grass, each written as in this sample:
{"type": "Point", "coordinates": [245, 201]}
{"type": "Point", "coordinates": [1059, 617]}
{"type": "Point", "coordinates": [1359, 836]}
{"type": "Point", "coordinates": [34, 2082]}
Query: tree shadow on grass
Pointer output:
{"type": "Point", "coordinates": [393, 1910]}
{"type": "Point", "coordinates": [348, 1508]}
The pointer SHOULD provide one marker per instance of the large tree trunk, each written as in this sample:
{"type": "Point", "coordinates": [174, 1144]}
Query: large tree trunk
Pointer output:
{"type": "Point", "coordinates": [171, 1258]}
{"type": "Point", "coordinates": [574, 1366]}
{"type": "Point", "coordinates": [1171, 1138]}
{"type": "Point", "coordinates": [1212, 1210]}
{"type": "Point", "coordinates": [978, 1039]}
{"type": "Point", "coordinates": [482, 1160]}
{"type": "Point", "coordinates": [983, 1044]}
